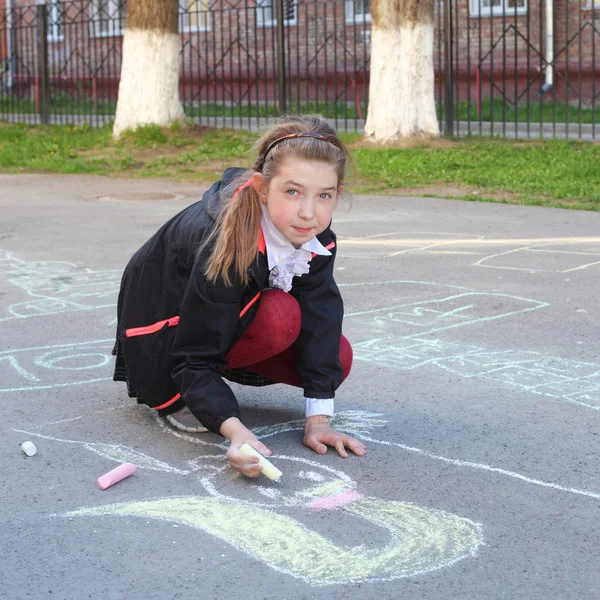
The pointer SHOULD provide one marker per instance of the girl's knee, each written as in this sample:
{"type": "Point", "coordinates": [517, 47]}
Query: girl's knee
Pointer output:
{"type": "Point", "coordinates": [345, 356]}
{"type": "Point", "coordinates": [284, 316]}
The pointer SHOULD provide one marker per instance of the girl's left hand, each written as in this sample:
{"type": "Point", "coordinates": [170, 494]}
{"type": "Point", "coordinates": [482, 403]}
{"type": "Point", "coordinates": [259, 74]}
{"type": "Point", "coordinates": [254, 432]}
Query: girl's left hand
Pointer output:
{"type": "Point", "coordinates": [319, 435]}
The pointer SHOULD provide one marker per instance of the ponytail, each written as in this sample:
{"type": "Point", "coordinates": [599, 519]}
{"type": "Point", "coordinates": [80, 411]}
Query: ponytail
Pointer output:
{"type": "Point", "coordinates": [235, 237]}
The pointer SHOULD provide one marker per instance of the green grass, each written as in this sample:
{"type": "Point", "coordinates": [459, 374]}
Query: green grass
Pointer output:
{"type": "Point", "coordinates": [550, 173]}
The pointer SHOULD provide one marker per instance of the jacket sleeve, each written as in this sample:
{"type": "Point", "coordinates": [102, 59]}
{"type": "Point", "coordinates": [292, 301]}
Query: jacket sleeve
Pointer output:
{"type": "Point", "coordinates": [208, 320]}
{"type": "Point", "coordinates": [318, 345]}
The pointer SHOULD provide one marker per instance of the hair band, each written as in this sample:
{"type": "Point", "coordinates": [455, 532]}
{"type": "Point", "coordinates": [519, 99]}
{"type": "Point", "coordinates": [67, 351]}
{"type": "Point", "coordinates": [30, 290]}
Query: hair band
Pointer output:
{"type": "Point", "coordinates": [304, 134]}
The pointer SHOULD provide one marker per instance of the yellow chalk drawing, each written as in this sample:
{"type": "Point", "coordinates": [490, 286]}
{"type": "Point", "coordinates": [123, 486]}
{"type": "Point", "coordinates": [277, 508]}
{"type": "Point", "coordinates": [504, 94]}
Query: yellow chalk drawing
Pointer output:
{"type": "Point", "coordinates": [422, 539]}
{"type": "Point", "coordinates": [254, 517]}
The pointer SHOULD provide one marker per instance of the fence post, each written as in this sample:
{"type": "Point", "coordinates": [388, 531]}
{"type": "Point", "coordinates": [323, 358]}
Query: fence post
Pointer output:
{"type": "Point", "coordinates": [281, 74]}
{"type": "Point", "coordinates": [448, 48]}
{"type": "Point", "coordinates": [42, 47]}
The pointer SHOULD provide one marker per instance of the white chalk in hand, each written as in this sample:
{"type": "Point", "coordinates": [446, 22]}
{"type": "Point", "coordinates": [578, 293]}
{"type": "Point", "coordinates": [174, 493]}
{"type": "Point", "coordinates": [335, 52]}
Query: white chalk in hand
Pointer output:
{"type": "Point", "coordinates": [268, 468]}
{"type": "Point", "coordinates": [29, 448]}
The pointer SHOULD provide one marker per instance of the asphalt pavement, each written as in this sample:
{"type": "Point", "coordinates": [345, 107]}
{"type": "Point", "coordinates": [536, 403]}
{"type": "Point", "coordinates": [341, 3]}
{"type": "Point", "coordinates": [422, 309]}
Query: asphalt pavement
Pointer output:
{"type": "Point", "coordinates": [475, 385]}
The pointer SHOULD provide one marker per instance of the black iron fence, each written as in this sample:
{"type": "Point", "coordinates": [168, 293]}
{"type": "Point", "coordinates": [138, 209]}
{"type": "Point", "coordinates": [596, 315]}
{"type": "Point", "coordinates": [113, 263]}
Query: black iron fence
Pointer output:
{"type": "Point", "coordinates": [503, 67]}
{"type": "Point", "coordinates": [521, 68]}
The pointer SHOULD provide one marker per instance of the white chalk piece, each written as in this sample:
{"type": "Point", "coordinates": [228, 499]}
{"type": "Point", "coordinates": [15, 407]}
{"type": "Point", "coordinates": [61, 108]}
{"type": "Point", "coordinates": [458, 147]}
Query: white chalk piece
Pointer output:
{"type": "Point", "coordinates": [268, 468]}
{"type": "Point", "coordinates": [29, 448]}
{"type": "Point", "coordinates": [114, 476]}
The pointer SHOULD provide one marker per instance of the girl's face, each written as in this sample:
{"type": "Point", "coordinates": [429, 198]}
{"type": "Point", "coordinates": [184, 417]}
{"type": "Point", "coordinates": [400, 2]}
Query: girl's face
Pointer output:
{"type": "Point", "coordinates": [300, 198]}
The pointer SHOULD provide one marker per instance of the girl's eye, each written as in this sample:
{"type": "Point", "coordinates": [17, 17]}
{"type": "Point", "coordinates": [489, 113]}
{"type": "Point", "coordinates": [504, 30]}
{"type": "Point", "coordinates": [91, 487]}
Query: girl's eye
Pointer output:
{"type": "Point", "coordinates": [325, 196]}
{"type": "Point", "coordinates": [292, 192]}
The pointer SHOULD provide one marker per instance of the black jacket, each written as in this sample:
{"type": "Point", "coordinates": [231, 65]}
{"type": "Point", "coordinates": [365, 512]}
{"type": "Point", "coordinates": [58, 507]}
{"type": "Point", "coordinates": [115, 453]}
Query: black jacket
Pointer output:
{"type": "Point", "coordinates": [175, 328]}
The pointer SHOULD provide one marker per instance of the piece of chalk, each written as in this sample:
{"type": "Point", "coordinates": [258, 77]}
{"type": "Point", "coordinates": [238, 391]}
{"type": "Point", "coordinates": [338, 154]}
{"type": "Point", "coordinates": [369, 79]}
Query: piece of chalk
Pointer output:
{"type": "Point", "coordinates": [114, 476]}
{"type": "Point", "coordinates": [29, 448]}
{"type": "Point", "coordinates": [268, 468]}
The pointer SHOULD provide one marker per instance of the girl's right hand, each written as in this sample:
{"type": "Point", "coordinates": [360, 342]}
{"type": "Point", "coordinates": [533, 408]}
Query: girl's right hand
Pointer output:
{"type": "Point", "coordinates": [237, 434]}
{"type": "Point", "coordinates": [246, 465]}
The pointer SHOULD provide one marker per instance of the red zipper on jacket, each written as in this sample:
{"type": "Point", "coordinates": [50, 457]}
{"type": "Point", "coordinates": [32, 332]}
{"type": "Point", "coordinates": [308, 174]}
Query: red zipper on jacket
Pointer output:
{"type": "Point", "coordinates": [151, 328]}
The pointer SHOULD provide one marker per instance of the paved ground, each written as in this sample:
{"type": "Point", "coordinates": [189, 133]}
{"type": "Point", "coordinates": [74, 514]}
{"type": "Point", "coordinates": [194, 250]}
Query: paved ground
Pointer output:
{"type": "Point", "coordinates": [476, 386]}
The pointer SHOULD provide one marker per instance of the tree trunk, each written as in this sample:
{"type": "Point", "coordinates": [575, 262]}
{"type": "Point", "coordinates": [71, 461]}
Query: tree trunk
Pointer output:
{"type": "Point", "coordinates": [401, 91]}
{"type": "Point", "coordinates": [148, 91]}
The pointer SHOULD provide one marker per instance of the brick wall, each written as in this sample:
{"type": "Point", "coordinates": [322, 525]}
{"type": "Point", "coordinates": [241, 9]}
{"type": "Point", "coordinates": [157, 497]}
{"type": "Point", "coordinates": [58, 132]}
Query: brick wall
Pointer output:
{"type": "Point", "coordinates": [327, 58]}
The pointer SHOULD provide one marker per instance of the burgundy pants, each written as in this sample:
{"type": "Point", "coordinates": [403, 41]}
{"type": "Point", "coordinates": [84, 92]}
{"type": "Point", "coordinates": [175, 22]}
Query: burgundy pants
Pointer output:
{"type": "Point", "coordinates": [267, 348]}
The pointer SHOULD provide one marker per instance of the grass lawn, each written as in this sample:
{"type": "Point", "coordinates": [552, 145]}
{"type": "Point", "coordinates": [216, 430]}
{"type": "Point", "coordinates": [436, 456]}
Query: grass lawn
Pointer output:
{"type": "Point", "coordinates": [550, 173]}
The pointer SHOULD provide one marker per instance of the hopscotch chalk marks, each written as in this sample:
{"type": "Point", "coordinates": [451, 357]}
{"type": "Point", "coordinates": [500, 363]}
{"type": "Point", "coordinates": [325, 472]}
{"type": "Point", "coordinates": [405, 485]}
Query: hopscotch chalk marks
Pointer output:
{"type": "Point", "coordinates": [579, 255]}
{"type": "Point", "coordinates": [46, 367]}
{"type": "Point", "coordinates": [57, 287]}
{"type": "Point", "coordinates": [571, 380]}
{"type": "Point", "coordinates": [574, 381]}
{"type": "Point", "coordinates": [407, 348]}
{"type": "Point", "coordinates": [565, 254]}
{"type": "Point", "coordinates": [457, 310]}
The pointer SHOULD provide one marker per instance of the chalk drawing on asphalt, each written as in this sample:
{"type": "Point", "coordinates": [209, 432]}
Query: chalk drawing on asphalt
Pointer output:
{"type": "Point", "coordinates": [400, 538]}
{"type": "Point", "coordinates": [114, 452]}
{"type": "Point", "coordinates": [412, 540]}
{"type": "Point", "coordinates": [57, 287]}
{"type": "Point", "coordinates": [361, 424]}
{"type": "Point", "coordinates": [46, 367]}
{"type": "Point", "coordinates": [563, 254]}
{"type": "Point", "coordinates": [565, 257]}
{"type": "Point", "coordinates": [379, 245]}
{"type": "Point", "coordinates": [456, 310]}
{"type": "Point", "coordinates": [575, 381]}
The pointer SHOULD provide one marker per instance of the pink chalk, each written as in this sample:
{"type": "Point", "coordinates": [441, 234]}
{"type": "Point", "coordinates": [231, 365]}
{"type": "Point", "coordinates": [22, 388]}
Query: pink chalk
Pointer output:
{"type": "Point", "coordinates": [114, 476]}
{"type": "Point", "coordinates": [329, 502]}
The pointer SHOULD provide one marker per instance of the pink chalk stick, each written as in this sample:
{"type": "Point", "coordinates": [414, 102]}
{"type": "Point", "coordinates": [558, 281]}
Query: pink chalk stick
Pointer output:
{"type": "Point", "coordinates": [114, 476]}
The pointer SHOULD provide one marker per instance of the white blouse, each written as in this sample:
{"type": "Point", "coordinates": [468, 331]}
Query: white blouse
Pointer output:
{"type": "Point", "coordinates": [286, 262]}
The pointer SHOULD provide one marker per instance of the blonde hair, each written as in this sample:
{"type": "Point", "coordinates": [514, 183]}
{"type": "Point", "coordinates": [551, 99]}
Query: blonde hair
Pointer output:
{"type": "Point", "coordinates": [234, 239]}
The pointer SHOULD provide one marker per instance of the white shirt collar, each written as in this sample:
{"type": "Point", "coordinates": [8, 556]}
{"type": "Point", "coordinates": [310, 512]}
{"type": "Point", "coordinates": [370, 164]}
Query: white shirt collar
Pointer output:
{"type": "Point", "coordinates": [279, 247]}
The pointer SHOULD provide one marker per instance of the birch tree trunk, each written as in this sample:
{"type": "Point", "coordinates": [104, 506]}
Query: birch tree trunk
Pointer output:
{"type": "Point", "coordinates": [148, 90]}
{"type": "Point", "coordinates": [401, 90]}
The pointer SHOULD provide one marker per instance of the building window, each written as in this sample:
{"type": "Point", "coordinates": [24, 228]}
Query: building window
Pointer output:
{"type": "Point", "coordinates": [266, 13]}
{"type": "Point", "coordinates": [56, 30]}
{"type": "Point", "coordinates": [194, 15]}
{"type": "Point", "coordinates": [358, 11]}
{"type": "Point", "coordinates": [107, 17]}
{"type": "Point", "coordinates": [486, 8]}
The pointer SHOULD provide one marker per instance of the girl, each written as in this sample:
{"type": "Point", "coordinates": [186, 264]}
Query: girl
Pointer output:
{"type": "Point", "coordinates": [240, 286]}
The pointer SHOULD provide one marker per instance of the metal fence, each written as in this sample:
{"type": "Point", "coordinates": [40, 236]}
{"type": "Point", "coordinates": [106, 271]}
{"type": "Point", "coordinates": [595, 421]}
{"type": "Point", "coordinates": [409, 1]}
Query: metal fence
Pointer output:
{"type": "Point", "coordinates": [520, 68]}
{"type": "Point", "coordinates": [524, 68]}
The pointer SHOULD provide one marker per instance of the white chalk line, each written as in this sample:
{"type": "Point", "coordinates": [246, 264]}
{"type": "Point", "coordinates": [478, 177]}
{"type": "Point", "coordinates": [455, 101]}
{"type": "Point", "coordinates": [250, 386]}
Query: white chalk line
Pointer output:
{"type": "Point", "coordinates": [186, 436]}
{"type": "Point", "coordinates": [52, 314]}
{"type": "Point", "coordinates": [476, 239]}
{"type": "Point", "coordinates": [99, 412]}
{"type": "Point", "coordinates": [298, 425]}
{"type": "Point", "coordinates": [481, 466]}
{"type": "Point", "coordinates": [121, 453]}
{"type": "Point", "coordinates": [391, 281]}
{"type": "Point", "coordinates": [69, 345]}
{"type": "Point", "coordinates": [54, 385]}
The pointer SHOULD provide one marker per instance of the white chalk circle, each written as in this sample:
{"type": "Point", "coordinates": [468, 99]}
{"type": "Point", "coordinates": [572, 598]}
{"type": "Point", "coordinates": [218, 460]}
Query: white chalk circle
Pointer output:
{"type": "Point", "coordinates": [51, 360]}
{"type": "Point", "coordinates": [29, 448]}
